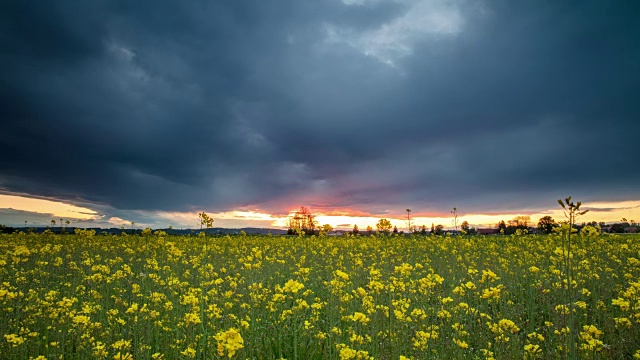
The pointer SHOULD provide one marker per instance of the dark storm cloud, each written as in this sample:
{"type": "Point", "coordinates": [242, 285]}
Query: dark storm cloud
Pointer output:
{"type": "Point", "coordinates": [365, 104]}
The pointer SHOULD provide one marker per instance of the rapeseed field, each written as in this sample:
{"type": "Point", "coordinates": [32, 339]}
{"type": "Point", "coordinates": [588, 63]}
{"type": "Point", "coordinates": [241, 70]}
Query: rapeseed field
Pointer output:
{"type": "Point", "coordinates": [82, 296]}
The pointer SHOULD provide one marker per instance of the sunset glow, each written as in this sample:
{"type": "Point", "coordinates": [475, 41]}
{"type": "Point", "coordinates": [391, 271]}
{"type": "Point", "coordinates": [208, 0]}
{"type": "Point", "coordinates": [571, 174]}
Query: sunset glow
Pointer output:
{"type": "Point", "coordinates": [343, 219]}
{"type": "Point", "coordinates": [55, 208]}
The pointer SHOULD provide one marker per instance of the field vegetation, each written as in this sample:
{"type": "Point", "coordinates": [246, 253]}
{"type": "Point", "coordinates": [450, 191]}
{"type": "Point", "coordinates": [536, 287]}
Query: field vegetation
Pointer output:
{"type": "Point", "coordinates": [154, 296]}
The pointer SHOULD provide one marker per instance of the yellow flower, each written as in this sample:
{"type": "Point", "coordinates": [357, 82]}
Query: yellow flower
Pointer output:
{"type": "Point", "coordinates": [342, 275]}
{"type": "Point", "coordinates": [14, 339]}
{"type": "Point", "coordinates": [292, 286]}
{"type": "Point", "coordinates": [81, 320]}
{"type": "Point", "coordinates": [532, 350]}
{"type": "Point", "coordinates": [489, 275]}
{"type": "Point", "coordinates": [622, 303]}
{"type": "Point", "coordinates": [121, 344]}
{"type": "Point", "coordinates": [192, 318]}
{"type": "Point", "coordinates": [189, 352]}
{"type": "Point", "coordinates": [230, 341]}
{"type": "Point", "coordinates": [133, 308]}
{"type": "Point", "coordinates": [347, 353]}
{"type": "Point", "coordinates": [460, 343]}
{"type": "Point", "coordinates": [359, 317]}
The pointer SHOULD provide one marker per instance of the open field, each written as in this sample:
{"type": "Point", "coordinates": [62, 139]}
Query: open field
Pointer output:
{"type": "Point", "coordinates": [140, 297]}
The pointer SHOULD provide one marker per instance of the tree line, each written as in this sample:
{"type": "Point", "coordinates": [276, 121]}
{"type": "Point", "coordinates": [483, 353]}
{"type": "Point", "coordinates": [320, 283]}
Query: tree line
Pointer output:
{"type": "Point", "coordinates": [303, 222]}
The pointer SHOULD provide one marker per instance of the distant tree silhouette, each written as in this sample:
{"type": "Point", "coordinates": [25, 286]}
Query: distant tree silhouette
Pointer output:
{"type": "Point", "coordinates": [355, 231]}
{"type": "Point", "coordinates": [517, 223]}
{"type": "Point", "coordinates": [502, 227]}
{"type": "Point", "coordinates": [6, 229]}
{"type": "Point", "coordinates": [303, 220]}
{"type": "Point", "coordinates": [465, 226]}
{"type": "Point", "coordinates": [205, 220]}
{"type": "Point", "coordinates": [546, 224]}
{"type": "Point", "coordinates": [384, 226]}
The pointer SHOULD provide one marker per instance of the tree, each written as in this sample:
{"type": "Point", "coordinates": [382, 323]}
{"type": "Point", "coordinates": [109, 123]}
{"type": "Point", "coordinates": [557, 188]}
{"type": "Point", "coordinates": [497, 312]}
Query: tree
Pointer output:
{"type": "Point", "coordinates": [454, 212]}
{"type": "Point", "coordinates": [369, 230]}
{"type": "Point", "coordinates": [520, 221]}
{"type": "Point", "coordinates": [53, 223]}
{"type": "Point", "coordinates": [326, 228]}
{"type": "Point", "coordinates": [437, 230]}
{"type": "Point", "coordinates": [355, 231]}
{"type": "Point", "coordinates": [395, 229]}
{"type": "Point", "coordinates": [517, 223]}
{"type": "Point", "coordinates": [384, 226]}
{"type": "Point", "coordinates": [546, 224]}
{"type": "Point", "coordinates": [423, 230]}
{"type": "Point", "coordinates": [618, 228]}
{"type": "Point", "coordinates": [302, 220]}
{"type": "Point", "coordinates": [465, 227]}
{"type": "Point", "coordinates": [205, 220]}
{"type": "Point", "coordinates": [409, 219]}
{"type": "Point", "coordinates": [502, 227]}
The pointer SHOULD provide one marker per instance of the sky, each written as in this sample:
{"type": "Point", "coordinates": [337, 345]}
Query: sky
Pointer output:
{"type": "Point", "coordinates": [153, 111]}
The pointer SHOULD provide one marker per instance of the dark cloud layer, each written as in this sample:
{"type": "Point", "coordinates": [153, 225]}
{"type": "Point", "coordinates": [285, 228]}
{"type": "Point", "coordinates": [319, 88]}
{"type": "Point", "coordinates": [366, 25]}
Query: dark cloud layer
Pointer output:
{"type": "Point", "coordinates": [371, 105]}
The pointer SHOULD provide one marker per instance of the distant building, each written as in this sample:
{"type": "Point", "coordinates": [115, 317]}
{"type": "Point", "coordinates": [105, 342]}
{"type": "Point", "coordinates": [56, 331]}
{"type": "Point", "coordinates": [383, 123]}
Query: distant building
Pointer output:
{"type": "Point", "coordinates": [487, 231]}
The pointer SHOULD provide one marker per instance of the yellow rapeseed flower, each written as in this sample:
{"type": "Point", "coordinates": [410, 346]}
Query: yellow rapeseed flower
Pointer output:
{"type": "Point", "coordinates": [292, 286]}
{"type": "Point", "coordinates": [229, 341]}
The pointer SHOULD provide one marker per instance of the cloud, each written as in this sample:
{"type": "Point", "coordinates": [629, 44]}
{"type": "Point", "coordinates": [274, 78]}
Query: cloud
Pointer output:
{"type": "Point", "coordinates": [265, 107]}
{"type": "Point", "coordinates": [118, 222]}
{"type": "Point", "coordinates": [395, 38]}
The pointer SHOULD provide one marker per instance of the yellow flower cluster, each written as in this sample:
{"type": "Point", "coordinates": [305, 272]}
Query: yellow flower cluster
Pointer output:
{"type": "Point", "coordinates": [229, 342]}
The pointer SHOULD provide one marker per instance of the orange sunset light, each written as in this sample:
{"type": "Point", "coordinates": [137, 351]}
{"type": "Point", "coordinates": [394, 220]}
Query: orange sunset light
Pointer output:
{"type": "Point", "coordinates": [343, 219]}
{"type": "Point", "coordinates": [55, 208]}
{"type": "Point", "coordinates": [599, 211]}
